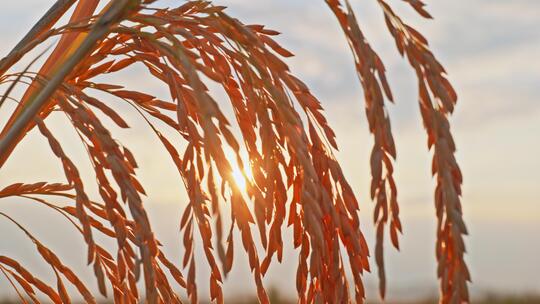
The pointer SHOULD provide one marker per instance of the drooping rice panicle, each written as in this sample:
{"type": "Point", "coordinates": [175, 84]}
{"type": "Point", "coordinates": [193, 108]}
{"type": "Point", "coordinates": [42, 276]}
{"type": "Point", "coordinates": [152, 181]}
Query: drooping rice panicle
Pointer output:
{"type": "Point", "coordinates": [296, 180]}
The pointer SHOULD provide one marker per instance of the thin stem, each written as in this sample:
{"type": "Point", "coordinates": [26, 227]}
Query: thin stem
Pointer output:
{"type": "Point", "coordinates": [98, 32]}
{"type": "Point", "coordinates": [5, 272]}
{"type": "Point", "coordinates": [47, 20]}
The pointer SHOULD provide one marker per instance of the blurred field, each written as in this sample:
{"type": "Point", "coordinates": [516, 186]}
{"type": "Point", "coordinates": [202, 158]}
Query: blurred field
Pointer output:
{"type": "Point", "coordinates": [275, 299]}
{"type": "Point", "coordinates": [491, 299]}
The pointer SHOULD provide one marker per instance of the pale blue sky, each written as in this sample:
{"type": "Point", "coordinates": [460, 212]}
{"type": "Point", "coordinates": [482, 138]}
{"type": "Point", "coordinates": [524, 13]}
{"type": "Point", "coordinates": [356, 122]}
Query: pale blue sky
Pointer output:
{"type": "Point", "coordinates": [490, 49]}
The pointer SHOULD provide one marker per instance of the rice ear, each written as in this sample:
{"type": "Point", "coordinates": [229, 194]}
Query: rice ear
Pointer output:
{"type": "Point", "coordinates": [289, 143]}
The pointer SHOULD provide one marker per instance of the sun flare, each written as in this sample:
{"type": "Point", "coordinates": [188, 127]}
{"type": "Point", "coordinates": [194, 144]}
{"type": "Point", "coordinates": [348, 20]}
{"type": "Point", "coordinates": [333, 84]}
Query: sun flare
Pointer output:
{"type": "Point", "coordinates": [241, 176]}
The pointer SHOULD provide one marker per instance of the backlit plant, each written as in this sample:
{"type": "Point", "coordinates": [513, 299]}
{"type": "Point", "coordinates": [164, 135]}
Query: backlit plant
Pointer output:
{"type": "Point", "coordinates": [289, 179]}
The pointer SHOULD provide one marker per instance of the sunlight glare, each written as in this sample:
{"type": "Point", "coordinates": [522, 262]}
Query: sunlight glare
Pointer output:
{"type": "Point", "coordinates": [241, 177]}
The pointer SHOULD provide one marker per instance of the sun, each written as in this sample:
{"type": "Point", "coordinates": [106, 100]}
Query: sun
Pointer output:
{"type": "Point", "coordinates": [241, 177]}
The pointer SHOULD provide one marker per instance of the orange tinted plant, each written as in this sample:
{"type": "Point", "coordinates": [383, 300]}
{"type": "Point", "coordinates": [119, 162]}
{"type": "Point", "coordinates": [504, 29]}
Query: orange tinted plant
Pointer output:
{"type": "Point", "coordinates": [290, 179]}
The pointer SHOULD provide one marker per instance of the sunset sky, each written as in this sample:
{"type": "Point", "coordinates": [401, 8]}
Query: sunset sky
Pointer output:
{"type": "Point", "coordinates": [490, 49]}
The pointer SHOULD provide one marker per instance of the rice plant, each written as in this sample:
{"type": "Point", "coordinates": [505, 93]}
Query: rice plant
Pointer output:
{"type": "Point", "coordinates": [290, 178]}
